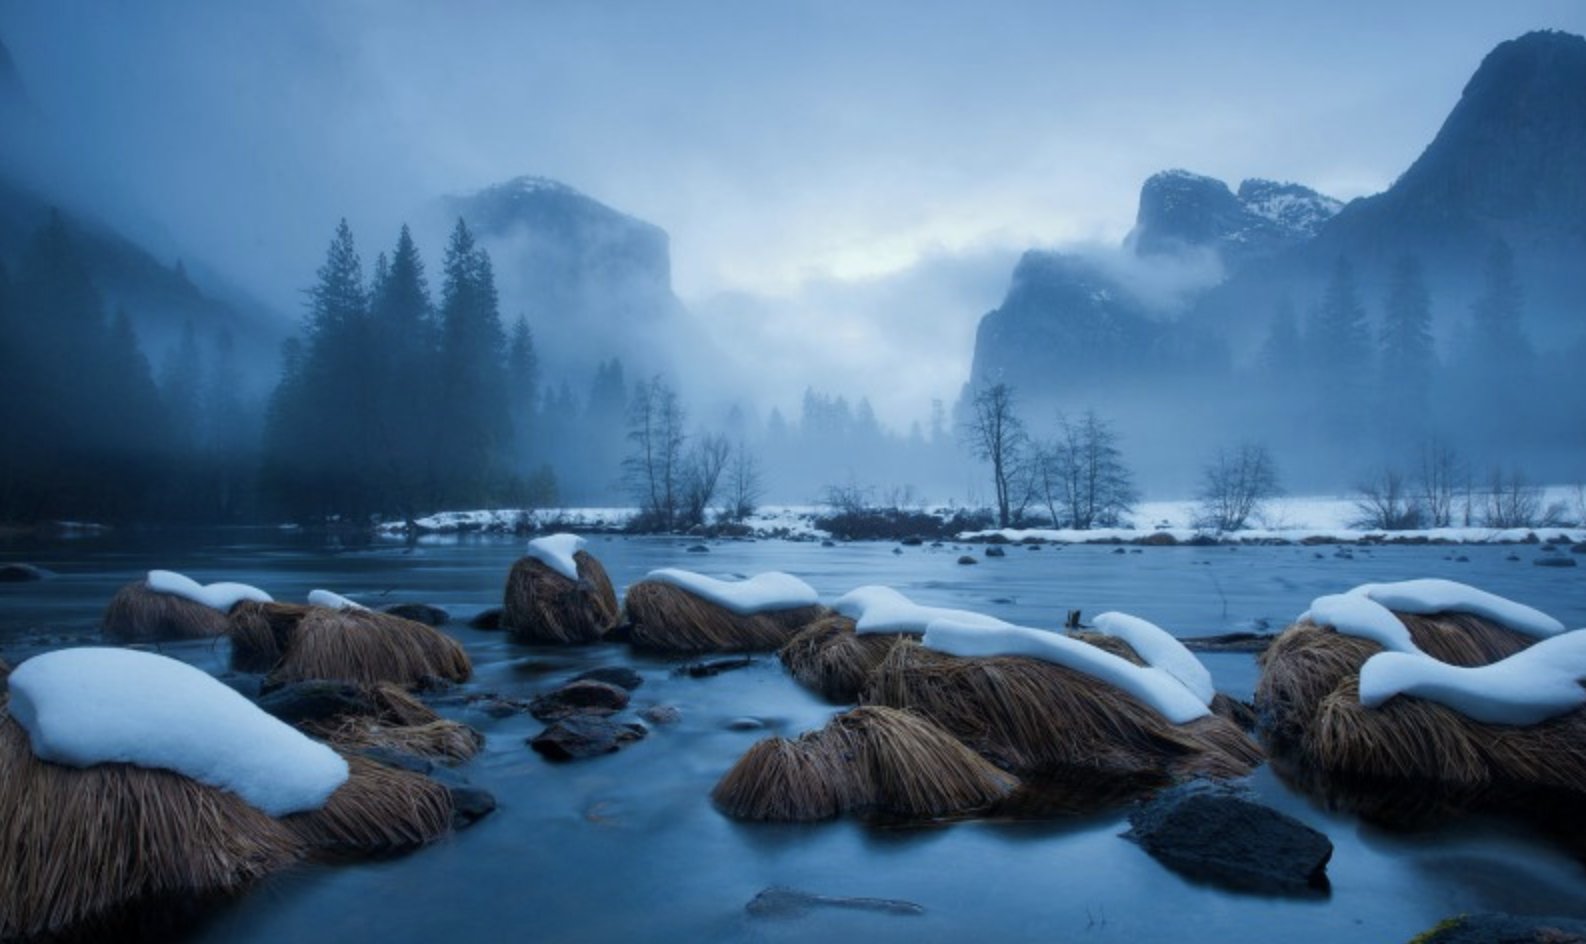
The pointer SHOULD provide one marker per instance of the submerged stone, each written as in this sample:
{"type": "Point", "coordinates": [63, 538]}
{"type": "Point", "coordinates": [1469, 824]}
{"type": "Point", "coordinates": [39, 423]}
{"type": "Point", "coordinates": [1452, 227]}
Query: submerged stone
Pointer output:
{"type": "Point", "coordinates": [779, 901]}
{"type": "Point", "coordinates": [420, 613]}
{"type": "Point", "coordinates": [618, 675]}
{"type": "Point", "coordinates": [582, 736]}
{"type": "Point", "coordinates": [586, 697]}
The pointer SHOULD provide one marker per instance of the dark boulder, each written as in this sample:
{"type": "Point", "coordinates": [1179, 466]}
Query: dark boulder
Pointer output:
{"type": "Point", "coordinates": [470, 804]}
{"type": "Point", "coordinates": [966, 560]}
{"type": "Point", "coordinates": [1219, 835]}
{"type": "Point", "coordinates": [1494, 928]}
{"type": "Point", "coordinates": [713, 667]}
{"type": "Point", "coordinates": [618, 675]}
{"type": "Point", "coordinates": [582, 736]}
{"type": "Point", "coordinates": [586, 697]}
{"type": "Point", "coordinates": [420, 613]}
{"type": "Point", "coordinates": [315, 700]}
{"type": "Point", "coordinates": [21, 573]}
{"type": "Point", "coordinates": [996, 551]}
{"type": "Point", "coordinates": [487, 619]}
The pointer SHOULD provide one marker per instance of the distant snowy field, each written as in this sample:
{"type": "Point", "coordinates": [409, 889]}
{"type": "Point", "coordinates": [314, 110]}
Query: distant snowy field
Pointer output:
{"type": "Point", "coordinates": [1293, 518]}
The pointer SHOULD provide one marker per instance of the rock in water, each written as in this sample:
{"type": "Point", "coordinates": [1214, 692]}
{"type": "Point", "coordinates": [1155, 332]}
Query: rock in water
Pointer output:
{"type": "Point", "coordinates": [316, 700]}
{"type": "Point", "coordinates": [966, 559]}
{"type": "Point", "coordinates": [618, 675]}
{"type": "Point", "coordinates": [21, 573]}
{"type": "Point", "coordinates": [661, 714]}
{"type": "Point", "coordinates": [995, 551]}
{"type": "Point", "coordinates": [1219, 835]}
{"type": "Point", "coordinates": [583, 736]}
{"type": "Point", "coordinates": [586, 697]}
{"type": "Point", "coordinates": [487, 619]}
{"type": "Point", "coordinates": [420, 613]}
{"type": "Point", "coordinates": [779, 901]}
{"type": "Point", "coordinates": [1494, 928]}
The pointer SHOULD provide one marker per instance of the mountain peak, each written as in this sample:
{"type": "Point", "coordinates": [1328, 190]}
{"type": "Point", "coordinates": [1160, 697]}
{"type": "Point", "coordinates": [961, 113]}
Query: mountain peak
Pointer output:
{"type": "Point", "coordinates": [1182, 210]}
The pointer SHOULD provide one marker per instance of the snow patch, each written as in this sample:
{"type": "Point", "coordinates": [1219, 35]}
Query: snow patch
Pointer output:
{"type": "Point", "coordinates": [877, 609]}
{"type": "Point", "coordinates": [556, 552]}
{"type": "Point", "coordinates": [333, 601]}
{"type": "Point", "coordinates": [1156, 688]}
{"type": "Point", "coordinates": [1431, 595]}
{"type": "Point", "coordinates": [1160, 650]}
{"type": "Point", "coordinates": [1354, 614]}
{"type": "Point", "coordinates": [90, 706]}
{"type": "Point", "coordinates": [1527, 688]}
{"type": "Point", "coordinates": [220, 596]}
{"type": "Point", "coordinates": [761, 593]}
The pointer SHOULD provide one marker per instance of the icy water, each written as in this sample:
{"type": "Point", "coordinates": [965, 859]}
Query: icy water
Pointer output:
{"type": "Point", "coordinates": [628, 847]}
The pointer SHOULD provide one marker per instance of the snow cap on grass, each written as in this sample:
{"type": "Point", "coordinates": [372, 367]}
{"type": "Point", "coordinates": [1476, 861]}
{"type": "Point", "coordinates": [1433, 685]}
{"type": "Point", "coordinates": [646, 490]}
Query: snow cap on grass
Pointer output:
{"type": "Point", "coordinates": [762, 593]}
{"type": "Point", "coordinates": [877, 609]}
{"type": "Point", "coordinates": [1160, 650]}
{"type": "Point", "coordinates": [1161, 691]}
{"type": "Point", "coordinates": [333, 601]}
{"type": "Point", "coordinates": [1364, 611]}
{"type": "Point", "coordinates": [90, 706]}
{"type": "Point", "coordinates": [556, 552]}
{"type": "Point", "coordinates": [219, 596]}
{"type": "Point", "coordinates": [1527, 688]}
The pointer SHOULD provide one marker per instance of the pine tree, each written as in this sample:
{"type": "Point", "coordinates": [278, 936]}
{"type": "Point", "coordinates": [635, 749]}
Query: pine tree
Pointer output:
{"type": "Point", "coordinates": [1339, 344]}
{"type": "Point", "coordinates": [1499, 336]}
{"type": "Point", "coordinates": [403, 353]}
{"type": "Point", "coordinates": [1407, 356]}
{"type": "Point", "coordinates": [1283, 351]}
{"type": "Point", "coordinates": [181, 385]}
{"type": "Point", "coordinates": [523, 386]}
{"type": "Point", "coordinates": [474, 427]}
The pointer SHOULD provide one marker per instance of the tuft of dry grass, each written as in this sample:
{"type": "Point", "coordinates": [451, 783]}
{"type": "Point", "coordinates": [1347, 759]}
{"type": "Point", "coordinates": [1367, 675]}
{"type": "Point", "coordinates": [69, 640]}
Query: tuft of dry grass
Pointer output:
{"type": "Point", "coordinates": [829, 658]}
{"type": "Point", "coordinates": [542, 606]}
{"type": "Point", "coordinates": [82, 844]}
{"type": "Point", "coordinates": [1045, 721]}
{"type": "Point", "coordinates": [138, 614]}
{"type": "Point", "coordinates": [363, 647]}
{"type": "Point", "coordinates": [1408, 761]}
{"type": "Point", "coordinates": [874, 762]}
{"type": "Point", "coordinates": [378, 811]}
{"type": "Point", "coordinates": [400, 723]}
{"type": "Point", "coordinates": [666, 618]}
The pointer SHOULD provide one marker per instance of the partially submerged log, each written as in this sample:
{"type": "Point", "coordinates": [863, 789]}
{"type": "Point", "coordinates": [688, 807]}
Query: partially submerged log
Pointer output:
{"type": "Point", "coordinates": [874, 762]}
{"type": "Point", "coordinates": [544, 606]}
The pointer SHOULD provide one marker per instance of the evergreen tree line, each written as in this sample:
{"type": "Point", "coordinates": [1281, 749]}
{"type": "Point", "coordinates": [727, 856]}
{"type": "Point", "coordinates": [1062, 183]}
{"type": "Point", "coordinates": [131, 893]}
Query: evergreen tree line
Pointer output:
{"type": "Point", "coordinates": [88, 430]}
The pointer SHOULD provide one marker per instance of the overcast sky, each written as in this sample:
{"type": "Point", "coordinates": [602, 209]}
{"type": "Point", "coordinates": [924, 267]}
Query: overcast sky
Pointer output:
{"type": "Point", "coordinates": [791, 150]}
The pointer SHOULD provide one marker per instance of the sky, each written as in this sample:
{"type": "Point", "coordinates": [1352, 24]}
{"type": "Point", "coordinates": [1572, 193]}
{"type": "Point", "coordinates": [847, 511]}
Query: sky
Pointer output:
{"type": "Point", "coordinates": [846, 185]}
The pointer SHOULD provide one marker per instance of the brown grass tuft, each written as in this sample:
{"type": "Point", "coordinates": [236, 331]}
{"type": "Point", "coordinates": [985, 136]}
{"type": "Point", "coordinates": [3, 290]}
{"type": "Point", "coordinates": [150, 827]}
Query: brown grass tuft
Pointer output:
{"type": "Point", "coordinates": [542, 606]}
{"type": "Point", "coordinates": [874, 762]}
{"type": "Point", "coordinates": [1409, 760]}
{"type": "Point", "coordinates": [138, 614]}
{"type": "Point", "coordinates": [670, 619]}
{"type": "Point", "coordinates": [379, 810]}
{"type": "Point", "coordinates": [80, 844]}
{"type": "Point", "coordinates": [1045, 721]}
{"type": "Point", "coordinates": [831, 659]}
{"type": "Point", "coordinates": [363, 647]}
{"type": "Point", "coordinates": [401, 723]}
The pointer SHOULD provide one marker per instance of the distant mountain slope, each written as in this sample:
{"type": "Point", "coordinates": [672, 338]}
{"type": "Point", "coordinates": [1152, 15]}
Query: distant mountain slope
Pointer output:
{"type": "Point", "coordinates": [1180, 210]}
{"type": "Point", "coordinates": [593, 282]}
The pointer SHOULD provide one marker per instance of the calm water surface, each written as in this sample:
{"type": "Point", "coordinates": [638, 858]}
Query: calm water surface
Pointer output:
{"type": "Point", "coordinates": [628, 847]}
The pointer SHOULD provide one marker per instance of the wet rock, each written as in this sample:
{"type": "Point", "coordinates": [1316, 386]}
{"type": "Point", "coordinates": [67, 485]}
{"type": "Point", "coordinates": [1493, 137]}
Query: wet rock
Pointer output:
{"type": "Point", "coordinates": [21, 573]}
{"type": "Point", "coordinates": [247, 684]}
{"type": "Point", "coordinates": [1462, 559]}
{"type": "Point", "coordinates": [582, 736]}
{"type": "Point", "coordinates": [745, 724]}
{"type": "Point", "coordinates": [827, 542]}
{"type": "Point", "coordinates": [1512, 557]}
{"type": "Point", "coordinates": [897, 550]}
{"type": "Point", "coordinates": [913, 540]}
{"type": "Point", "coordinates": [779, 901]}
{"type": "Point", "coordinates": [618, 675]}
{"type": "Point", "coordinates": [421, 613]}
{"type": "Point", "coordinates": [470, 804]}
{"type": "Point", "coordinates": [1496, 928]}
{"type": "Point", "coordinates": [996, 551]}
{"type": "Point", "coordinates": [1119, 550]}
{"type": "Point", "coordinates": [587, 697]}
{"type": "Point", "coordinates": [698, 549]}
{"type": "Point", "coordinates": [712, 667]}
{"type": "Point", "coordinates": [1219, 835]}
{"type": "Point", "coordinates": [315, 700]}
{"type": "Point", "coordinates": [497, 706]}
{"type": "Point", "coordinates": [1554, 561]}
{"type": "Point", "coordinates": [966, 560]}
{"type": "Point", "coordinates": [661, 714]}
{"type": "Point", "coordinates": [488, 619]}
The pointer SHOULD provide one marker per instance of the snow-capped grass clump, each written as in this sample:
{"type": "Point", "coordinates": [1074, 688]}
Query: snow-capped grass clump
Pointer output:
{"type": "Point", "coordinates": [1365, 610]}
{"type": "Point", "coordinates": [1162, 692]}
{"type": "Point", "coordinates": [220, 596]}
{"type": "Point", "coordinates": [1527, 688]}
{"type": "Point", "coordinates": [556, 552]}
{"type": "Point", "coordinates": [761, 593]}
{"type": "Point", "coordinates": [877, 609]}
{"type": "Point", "coordinates": [1160, 650]}
{"type": "Point", "coordinates": [333, 601]}
{"type": "Point", "coordinates": [82, 707]}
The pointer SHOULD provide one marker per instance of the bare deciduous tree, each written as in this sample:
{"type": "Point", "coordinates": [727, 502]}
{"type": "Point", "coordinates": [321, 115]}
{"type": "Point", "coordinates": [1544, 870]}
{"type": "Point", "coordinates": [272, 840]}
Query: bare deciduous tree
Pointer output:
{"type": "Point", "coordinates": [1384, 500]}
{"type": "Point", "coordinates": [744, 484]}
{"type": "Point", "coordinates": [1438, 483]}
{"type": "Point", "coordinates": [701, 474]}
{"type": "Point", "coordinates": [654, 466]}
{"type": "Point", "coordinates": [1234, 485]}
{"type": "Point", "coordinates": [1081, 476]}
{"type": "Point", "coordinates": [995, 434]}
{"type": "Point", "coordinates": [1511, 501]}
